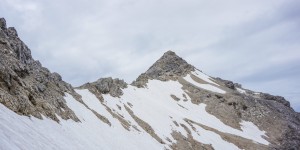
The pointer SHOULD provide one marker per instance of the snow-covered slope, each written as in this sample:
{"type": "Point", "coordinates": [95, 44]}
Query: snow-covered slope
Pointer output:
{"type": "Point", "coordinates": [153, 105]}
{"type": "Point", "coordinates": [20, 132]}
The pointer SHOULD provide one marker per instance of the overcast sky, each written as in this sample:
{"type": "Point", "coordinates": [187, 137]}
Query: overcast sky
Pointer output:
{"type": "Point", "coordinates": [252, 42]}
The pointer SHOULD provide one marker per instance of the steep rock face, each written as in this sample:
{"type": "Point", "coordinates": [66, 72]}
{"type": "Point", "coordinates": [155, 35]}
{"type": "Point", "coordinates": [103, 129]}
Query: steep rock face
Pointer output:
{"type": "Point", "coordinates": [26, 87]}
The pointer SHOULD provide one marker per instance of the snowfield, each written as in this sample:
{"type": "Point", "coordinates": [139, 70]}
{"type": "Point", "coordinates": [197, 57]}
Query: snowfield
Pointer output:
{"type": "Point", "coordinates": [154, 105]}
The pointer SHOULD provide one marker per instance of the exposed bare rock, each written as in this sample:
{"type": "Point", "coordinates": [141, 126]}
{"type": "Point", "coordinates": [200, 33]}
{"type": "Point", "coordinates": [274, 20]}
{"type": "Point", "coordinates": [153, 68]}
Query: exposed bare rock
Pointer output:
{"type": "Point", "coordinates": [175, 98]}
{"type": "Point", "coordinates": [168, 67]}
{"type": "Point", "coordinates": [227, 83]}
{"type": "Point", "coordinates": [141, 81]}
{"type": "Point", "coordinates": [26, 87]}
{"type": "Point", "coordinates": [278, 99]}
{"type": "Point", "coordinates": [188, 143]}
{"type": "Point", "coordinates": [107, 86]}
{"type": "Point", "coordinates": [102, 118]}
{"type": "Point", "coordinates": [3, 26]}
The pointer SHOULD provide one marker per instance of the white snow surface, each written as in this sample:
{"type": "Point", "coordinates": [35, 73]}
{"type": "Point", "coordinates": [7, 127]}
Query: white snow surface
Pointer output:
{"type": "Point", "coordinates": [20, 132]}
{"type": "Point", "coordinates": [208, 87]}
{"type": "Point", "coordinates": [204, 77]}
{"type": "Point", "coordinates": [241, 90]}
{"type": "Point", "coordinates": [153, 105]}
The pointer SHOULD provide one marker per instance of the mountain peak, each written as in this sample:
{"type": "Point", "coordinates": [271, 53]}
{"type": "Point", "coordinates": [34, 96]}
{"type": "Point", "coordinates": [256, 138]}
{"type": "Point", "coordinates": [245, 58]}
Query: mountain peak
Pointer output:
{"type": "Point", "coordinates": [170, 52]}
{"type": "Point", "coordinates": [168, 67]}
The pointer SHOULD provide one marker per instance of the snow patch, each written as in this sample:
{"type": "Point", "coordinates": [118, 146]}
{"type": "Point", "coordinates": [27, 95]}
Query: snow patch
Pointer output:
{"type": "Point", "coordinates": [208, 87]}
{"type": "Point", "coordinates": [241, 90]}
{"type": "Point", "coordinates": [253, 132]}
{"type": "Point", "coordinates": [209, 137]}
{"type": "Point", "coordinates": [204, 77]}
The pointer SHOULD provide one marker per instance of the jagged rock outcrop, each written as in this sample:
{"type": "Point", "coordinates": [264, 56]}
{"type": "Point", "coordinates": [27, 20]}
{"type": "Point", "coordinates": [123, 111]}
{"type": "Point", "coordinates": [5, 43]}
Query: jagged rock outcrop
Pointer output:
{"type": "Point", "coordinates": [227, 83]}
{"type": "Point", "coordinates": [106, 86]}
{"type": "Point", "coordinates": [26, 87]}
{"type": "Point", "coordinates": [168, 67]}
{"type": "Point", "coordinates": [278, 99]}
{"type": "Point", "coordinates": [265, 96]}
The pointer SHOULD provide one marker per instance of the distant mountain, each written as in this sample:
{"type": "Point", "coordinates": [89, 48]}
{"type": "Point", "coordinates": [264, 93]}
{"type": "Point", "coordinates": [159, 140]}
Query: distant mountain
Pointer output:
{"type": "Point", "coordinates": [173, 105]}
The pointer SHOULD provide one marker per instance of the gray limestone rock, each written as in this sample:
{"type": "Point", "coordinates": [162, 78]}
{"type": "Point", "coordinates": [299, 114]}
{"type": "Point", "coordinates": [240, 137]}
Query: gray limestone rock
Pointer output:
{"type": "Point", "coordinates": [3, 24]}
{"type": "Point", "coordinates": [107, 86]}
{"type": "Point", "coordinates": [278, 99]}
{"type": "Point", "coordinates": [12, 32]}
{"type": "Point", "coordinates": [168, 67]}
{"type": "Point", "coordinates": [227, 83]}
{"type": "Point", "coordinates": [26, 87]}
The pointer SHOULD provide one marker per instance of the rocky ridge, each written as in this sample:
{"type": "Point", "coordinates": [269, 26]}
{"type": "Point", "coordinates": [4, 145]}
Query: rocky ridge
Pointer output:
{"type": "Point", "coordinates": [26, 87]}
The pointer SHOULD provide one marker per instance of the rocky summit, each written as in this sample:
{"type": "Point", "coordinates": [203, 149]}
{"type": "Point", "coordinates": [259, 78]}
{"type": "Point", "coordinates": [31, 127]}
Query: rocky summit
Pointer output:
{"type": "Point", "coordinates": [173, 105]}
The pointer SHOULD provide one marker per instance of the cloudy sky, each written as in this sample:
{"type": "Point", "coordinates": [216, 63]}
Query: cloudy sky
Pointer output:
{"type": "Point", "coordinates": [252, 42]}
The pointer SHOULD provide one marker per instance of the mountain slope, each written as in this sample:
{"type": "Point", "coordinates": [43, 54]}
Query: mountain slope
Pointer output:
{"type": "Point", "coordinates": [172, 105]}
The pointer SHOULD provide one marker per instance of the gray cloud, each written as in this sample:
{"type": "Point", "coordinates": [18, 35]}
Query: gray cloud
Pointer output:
{"type": "Point", "coordinates": [253, 42]}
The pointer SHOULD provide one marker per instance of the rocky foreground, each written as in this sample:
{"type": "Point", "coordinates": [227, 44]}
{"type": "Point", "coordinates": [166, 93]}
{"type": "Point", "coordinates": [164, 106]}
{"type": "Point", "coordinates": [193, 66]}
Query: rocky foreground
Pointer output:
{"type": "Point", "coordinates": [172, 105]}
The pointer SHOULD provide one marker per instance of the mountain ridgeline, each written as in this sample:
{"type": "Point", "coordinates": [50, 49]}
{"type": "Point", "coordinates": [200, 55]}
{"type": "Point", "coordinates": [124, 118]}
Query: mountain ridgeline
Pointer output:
{"type": "Point", "coordinates": [173, 105]}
